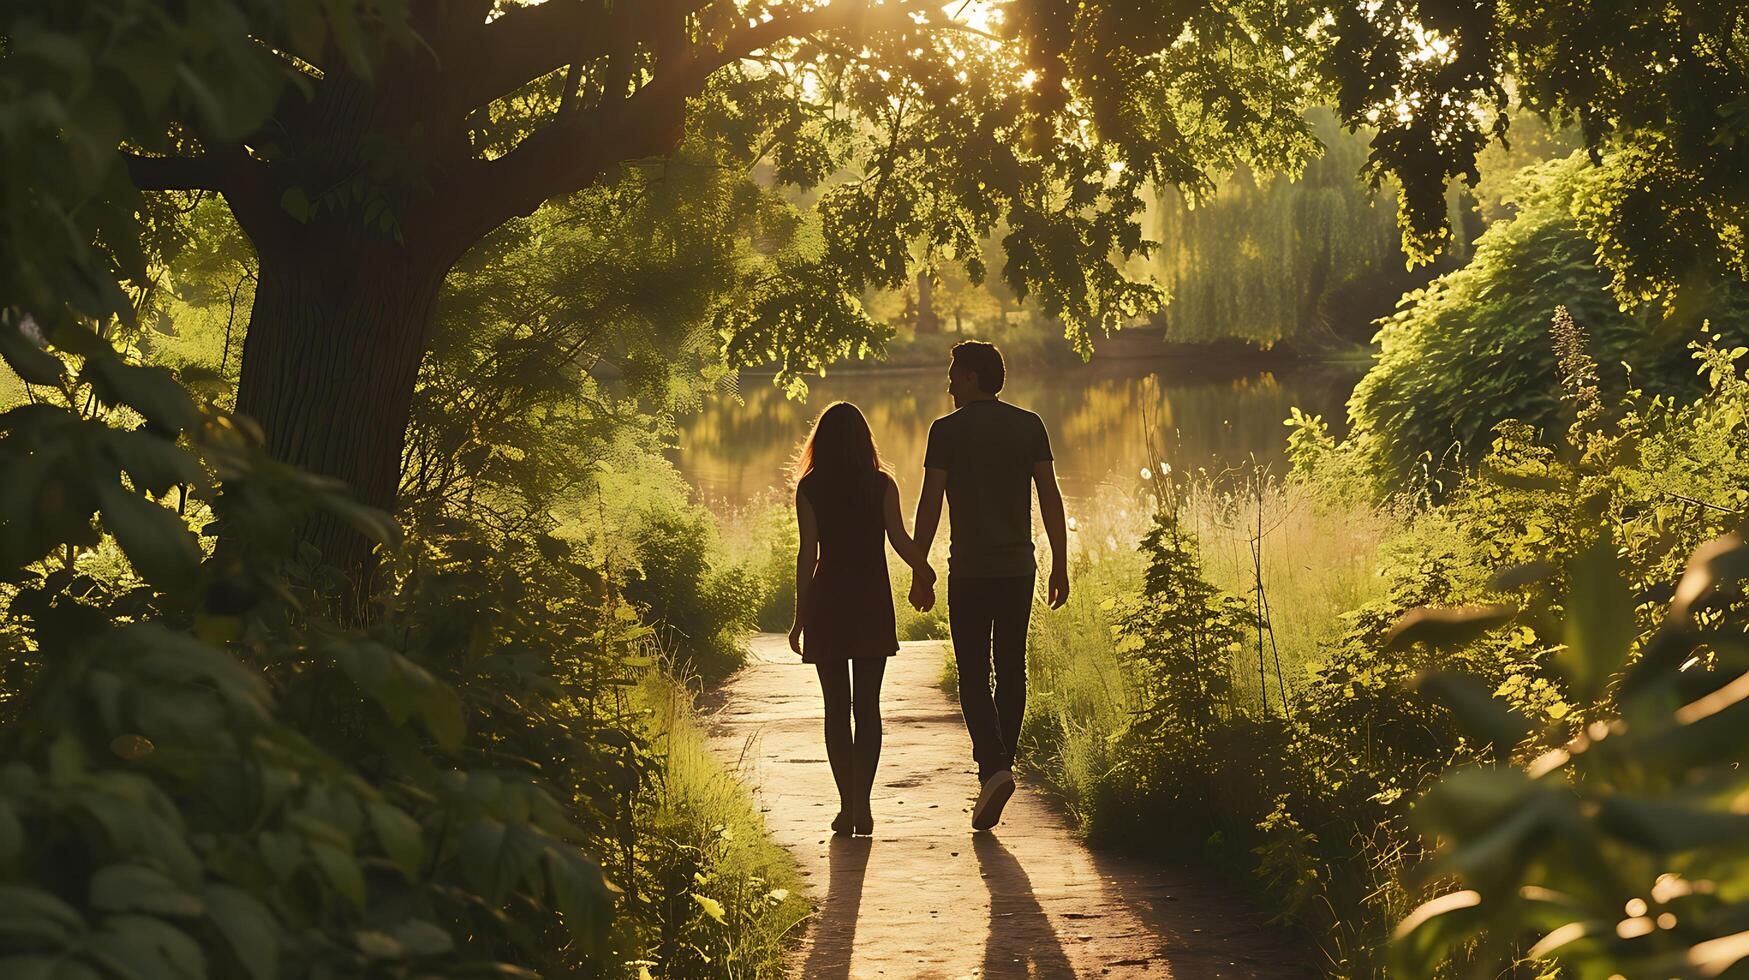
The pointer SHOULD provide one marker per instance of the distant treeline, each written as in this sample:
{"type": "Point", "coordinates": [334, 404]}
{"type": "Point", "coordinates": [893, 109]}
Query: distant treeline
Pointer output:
{"type": "Point", "coordinates": [1310, 260]}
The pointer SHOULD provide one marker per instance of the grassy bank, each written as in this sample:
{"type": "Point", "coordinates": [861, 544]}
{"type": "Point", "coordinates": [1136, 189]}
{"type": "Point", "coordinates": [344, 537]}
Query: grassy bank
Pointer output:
{"type": "Point", "coordinates": [1232, 692]}
{"type": "Point", "coordinates": [1281, 565]}
{"type": "Point", "coordinates": [716, 897]}
{"type": "Point", "coordinates": [1313, 558]}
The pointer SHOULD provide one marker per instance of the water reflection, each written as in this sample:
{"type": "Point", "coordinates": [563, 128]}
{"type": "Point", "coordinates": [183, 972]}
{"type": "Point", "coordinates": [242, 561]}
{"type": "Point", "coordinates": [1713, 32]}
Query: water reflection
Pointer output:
{"type": "Point", "coordinates": [1214, 413]}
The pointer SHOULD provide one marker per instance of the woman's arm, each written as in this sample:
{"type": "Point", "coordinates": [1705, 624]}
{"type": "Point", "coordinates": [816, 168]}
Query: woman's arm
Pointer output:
{"type": "Point", "coordinates": [807, 558]}
{"type": "Point", "coordinates": [907, 548]}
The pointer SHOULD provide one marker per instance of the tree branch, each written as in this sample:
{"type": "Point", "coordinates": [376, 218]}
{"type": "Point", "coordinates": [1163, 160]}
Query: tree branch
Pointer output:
{"type": "Point", "coordinates": [567, 156]}
{"type": "Point", "coordinates": [525, 44]}
{"type": "Point", "coordinates": [175, 173]}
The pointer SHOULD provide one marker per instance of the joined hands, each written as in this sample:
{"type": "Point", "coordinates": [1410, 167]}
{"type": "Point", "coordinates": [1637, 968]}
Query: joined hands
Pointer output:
{"type": "Point", "coordinates": [923, 588]}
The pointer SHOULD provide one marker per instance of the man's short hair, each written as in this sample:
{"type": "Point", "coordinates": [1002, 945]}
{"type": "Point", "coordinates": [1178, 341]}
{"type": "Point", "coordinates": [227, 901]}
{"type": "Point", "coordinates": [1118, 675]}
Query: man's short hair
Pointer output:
{"type": "Point", "coordinates": [983, 360]}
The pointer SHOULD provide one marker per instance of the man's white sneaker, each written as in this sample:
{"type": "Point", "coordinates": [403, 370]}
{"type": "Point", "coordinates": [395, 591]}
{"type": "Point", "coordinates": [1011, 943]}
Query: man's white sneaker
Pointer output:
{"type": "Point", "coordinates": [991, 799]}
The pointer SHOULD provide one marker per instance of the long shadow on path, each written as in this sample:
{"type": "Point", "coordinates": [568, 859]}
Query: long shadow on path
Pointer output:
{"type": "Point", "coordinates": [834, 929]}
{"type": "Point", "coordinates": [1022, 941]}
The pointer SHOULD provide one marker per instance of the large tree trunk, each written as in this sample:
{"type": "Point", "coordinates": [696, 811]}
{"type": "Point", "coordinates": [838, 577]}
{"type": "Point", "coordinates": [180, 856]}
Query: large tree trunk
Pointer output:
{"type": "Point", "coordinates": [329, 367]}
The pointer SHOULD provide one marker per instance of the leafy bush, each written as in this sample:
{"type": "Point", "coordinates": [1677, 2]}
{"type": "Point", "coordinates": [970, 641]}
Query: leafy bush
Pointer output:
{"type": "Point", "coordinates": [220, 759]}
{"type": "Point", "coordinates": [1179, 634]}
{"type": "Point", "coordinates": [703, 605]}
{"type": "Point", "coordinates": [1472, 349]}
{"type": "Point", "coordinates": [1318, 804]}
{"type": "Point", "coordinates": [177, 814]}
{"type": "Point", "coordinates": [1618, 851]}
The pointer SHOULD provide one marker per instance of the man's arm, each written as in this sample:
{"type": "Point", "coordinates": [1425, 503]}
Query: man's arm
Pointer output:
{"type": "Point", "coordinates": [923, 527]}
{"type": "Point", "coordinates": [1050, 509]}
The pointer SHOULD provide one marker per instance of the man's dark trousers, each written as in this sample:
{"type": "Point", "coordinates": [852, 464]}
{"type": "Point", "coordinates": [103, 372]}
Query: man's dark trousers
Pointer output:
{"type": "Point", "coordinates": [988, 618]}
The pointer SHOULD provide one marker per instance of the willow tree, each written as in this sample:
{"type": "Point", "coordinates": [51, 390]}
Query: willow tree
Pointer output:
{"type": "Point", "coordinates": [364, 145]}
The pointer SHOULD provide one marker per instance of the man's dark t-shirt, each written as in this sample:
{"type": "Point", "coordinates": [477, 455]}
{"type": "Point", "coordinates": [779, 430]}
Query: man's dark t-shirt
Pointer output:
{"type": "Point", "coordinates": [988, 449]}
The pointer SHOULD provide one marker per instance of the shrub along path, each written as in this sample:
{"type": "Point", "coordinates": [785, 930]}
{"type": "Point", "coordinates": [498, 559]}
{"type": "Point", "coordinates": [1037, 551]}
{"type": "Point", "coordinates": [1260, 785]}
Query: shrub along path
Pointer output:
{"type": "Point", "coordinates": [927, 898]}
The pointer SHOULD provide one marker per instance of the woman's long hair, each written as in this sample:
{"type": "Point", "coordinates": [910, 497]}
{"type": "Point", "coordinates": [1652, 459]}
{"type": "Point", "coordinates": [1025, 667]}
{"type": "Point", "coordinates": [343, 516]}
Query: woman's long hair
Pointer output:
{"type": "Point", "coordinates": [841, 449]}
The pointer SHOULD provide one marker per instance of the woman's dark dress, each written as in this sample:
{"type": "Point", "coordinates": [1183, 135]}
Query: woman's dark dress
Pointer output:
{"type": "Point", "coordinates": [849, 612]}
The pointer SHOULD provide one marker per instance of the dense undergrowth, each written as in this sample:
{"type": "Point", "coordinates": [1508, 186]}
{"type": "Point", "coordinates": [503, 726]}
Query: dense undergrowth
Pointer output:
{"type": "Point", "coordinates": [1171, 722]}
{"type": "Point", "coordinates": [220, 764]}
{"type": "Point", "coordinates": [1471, 348]}
{"type": "Point", "coordinates": [224, 758]}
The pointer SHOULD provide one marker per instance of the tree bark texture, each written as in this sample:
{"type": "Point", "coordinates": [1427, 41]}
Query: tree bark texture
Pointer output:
{"type": "Point", "coordinates": [329, 368]}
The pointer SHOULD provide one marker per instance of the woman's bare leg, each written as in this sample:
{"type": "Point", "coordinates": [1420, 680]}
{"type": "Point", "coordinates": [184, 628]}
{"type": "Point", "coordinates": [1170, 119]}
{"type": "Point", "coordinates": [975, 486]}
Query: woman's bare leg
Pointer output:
{"type": "Point", "coordinates": [866, 744]}
{"type": "Point", "coordinates": [835, 687]}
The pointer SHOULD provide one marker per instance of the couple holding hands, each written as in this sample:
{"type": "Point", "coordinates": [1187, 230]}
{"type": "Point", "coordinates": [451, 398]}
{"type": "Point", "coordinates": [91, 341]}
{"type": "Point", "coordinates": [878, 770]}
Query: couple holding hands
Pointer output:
{"type": "Point", "coordinates": [985, 458]}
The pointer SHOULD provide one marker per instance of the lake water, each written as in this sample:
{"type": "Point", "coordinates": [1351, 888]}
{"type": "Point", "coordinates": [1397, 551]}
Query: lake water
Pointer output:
{"type": "Point", "coordinates": [1208, 413]}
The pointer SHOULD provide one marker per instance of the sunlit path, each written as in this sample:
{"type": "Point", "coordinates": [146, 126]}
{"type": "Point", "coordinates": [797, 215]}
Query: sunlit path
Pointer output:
{"type": "Point", "coordinates": [926, 898]}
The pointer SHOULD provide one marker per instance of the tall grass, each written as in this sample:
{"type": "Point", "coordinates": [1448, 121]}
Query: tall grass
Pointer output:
{"type": "Point", "coordinates": [1300, 558]}
{"type": "Point", "coordinates": [1316, 561]}
{"type": "Point", "coordinates": [720, 898]}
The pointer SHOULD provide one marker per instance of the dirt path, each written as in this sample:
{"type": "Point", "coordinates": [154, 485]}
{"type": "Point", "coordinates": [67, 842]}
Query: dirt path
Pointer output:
{"type": "Point", "coordinates": [927, 898]}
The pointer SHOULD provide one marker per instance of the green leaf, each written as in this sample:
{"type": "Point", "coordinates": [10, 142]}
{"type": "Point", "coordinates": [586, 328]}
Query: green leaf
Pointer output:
{"type": "Point", "coordinates": [296, 203]}
{"type": "Point", "coordinates": [1473, 799]}
{"type": "Point", "coordinates": [1480, 716]}
{"type": "Point", "coordinates": [341, 871]}
{"type": "Point", "coordinates": [30, 914]}
{"type": "Point", "coordinates": [135, 888]}
{"type": "Point", "coordinates": [400, 836]}
{"type": "Point", "coordinates": [378, 945]}
{"type": "Point", "coordinates": [711, 906]}
{"type": "Point", "coordinates": [496, 858]}
{"type": "Point", "coordinates": [151, 391]}
{"type": "Point", "coordinates": [146, 947]}
{"type": "Point", "coordinates": [422, 938]}
{"type": "Point", "coordinates": [581, 892]}
{"type": "Point", "coordinates": [154, 463]}
{"type": "Point", "coordinates": [377, 525]}
{"type": "Point", "coordinates": [481, 844]}
{"type": "Point", "coordinates": [403, 688]}
{"type": "Point", "coordinates": [441, 711]}
{"type": "Point", "coordinates": [248, 927]}
{"type": "Point", "coordinates": [1446, 628]}
{"type": "Point", "coordinates": [156, 540]}
{"type": "Point", "coordinates": [34, 365]}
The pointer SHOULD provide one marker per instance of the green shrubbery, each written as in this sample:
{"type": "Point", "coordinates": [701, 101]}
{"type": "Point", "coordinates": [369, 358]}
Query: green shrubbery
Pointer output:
{"type": "Point", "coordinates": [1617, 851]}
{"type": "Point", "coordinates": [1471, 349]}
{"type": "Point", "coordinates": [1318, 800]}
{"type": "Point", "coordinates": [224, 759]}
{"type": "Point", "coordinates": [484, 706]}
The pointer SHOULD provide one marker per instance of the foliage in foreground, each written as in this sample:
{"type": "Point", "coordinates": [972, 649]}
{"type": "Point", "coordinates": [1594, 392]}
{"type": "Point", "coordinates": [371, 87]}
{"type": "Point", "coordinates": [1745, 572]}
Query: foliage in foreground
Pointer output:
{"type": "Point", "coordinates": [219, 763]}
{"type": "Point", "coordinates": [1620, 851]}
{"type": "Point", "coordinates": [1318, 801]}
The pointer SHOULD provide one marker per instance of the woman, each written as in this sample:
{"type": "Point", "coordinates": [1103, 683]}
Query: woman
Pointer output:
{"type": "Point", "coordinates": [844, 626]}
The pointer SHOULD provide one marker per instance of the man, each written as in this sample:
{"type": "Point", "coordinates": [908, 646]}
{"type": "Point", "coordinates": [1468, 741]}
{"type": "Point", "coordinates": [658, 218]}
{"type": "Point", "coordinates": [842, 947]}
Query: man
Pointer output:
{"type": "Point", "coordinates": [986, 457]}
